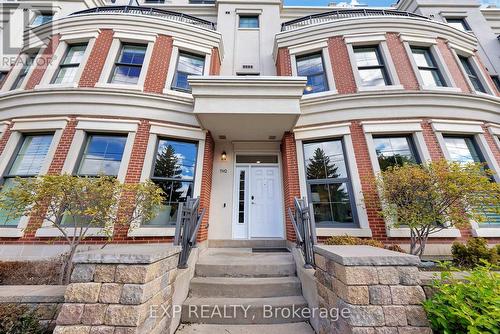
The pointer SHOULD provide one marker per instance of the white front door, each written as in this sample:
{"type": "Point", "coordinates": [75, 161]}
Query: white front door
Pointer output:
{"type": "Point", "coordinates": [266, 220]}
{"type": "Point", "coordinates": [258, 203]}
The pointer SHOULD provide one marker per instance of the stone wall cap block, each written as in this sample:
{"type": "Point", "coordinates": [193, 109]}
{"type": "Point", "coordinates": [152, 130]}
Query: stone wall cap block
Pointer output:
{"type": "Point", "coordinates": [32, 293]}
{"type": "Point", "coordinates": [365, 256]}
{"type": "Point", "coordinates": [128, 254]}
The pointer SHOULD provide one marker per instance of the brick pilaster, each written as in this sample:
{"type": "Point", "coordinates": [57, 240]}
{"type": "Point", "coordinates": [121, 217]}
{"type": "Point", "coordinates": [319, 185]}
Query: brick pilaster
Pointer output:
{"type": "Point", "coordinates": [401, 62]}
{"type": "Point", "coordinates": [215, 62]}
{"type": "Point", "coordinates": [291, 185]}
{"type": "Point", "coordinates": [341, 66]}
{"type": "Point", "coordinates": [206, 185]}
{"type": "Point", "coordinates": [63, 147]}
{"type": "Point", "coordinates": [158, 66]}
{"type": "Point", "coordinates": [492, 144]}
{"type": "Point", "coordinates": [97, 58]}
{"type": "Point", "coordinates": [43, 62]}
{"type": "Point", "coordinates": [283, 63]}
{"type": "Point", "coordinates": [4, 138]}
{"type": "Point", "coordinates": [431, 141]}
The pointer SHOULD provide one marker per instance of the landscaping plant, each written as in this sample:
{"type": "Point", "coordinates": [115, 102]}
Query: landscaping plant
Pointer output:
{"type": "Point", "coordinates": [20, 319]}
{"type": "Point", "coordinates": [473, 252]}
{"type": "Point", "coordinates": [75, 205]}
{"type": "Point", "coordinates": [470, 306]}
{"type": "Point", "coordinates": [431, 197]}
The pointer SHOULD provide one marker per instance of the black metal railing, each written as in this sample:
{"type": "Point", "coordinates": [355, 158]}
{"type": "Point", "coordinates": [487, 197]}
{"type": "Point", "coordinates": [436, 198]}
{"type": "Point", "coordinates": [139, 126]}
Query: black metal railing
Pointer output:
{"type": "Point", "coordinates": [305, 231]}
{"type": "Point", "coordinates": [343, 14]}
{"type": "Point", "coordinates": [165, 14]}
{"type": "Point", "coordinates": [188, 223]}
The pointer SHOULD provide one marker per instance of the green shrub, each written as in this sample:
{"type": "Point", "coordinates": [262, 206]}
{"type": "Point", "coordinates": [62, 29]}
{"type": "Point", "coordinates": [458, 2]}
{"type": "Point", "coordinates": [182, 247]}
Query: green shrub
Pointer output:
{"type": "Point", "coordinates": [20, 319]}
{"type": "Point", "coordinates": [470, 254]}
{"type": "Point", "coordinates": [348, 240]}
{"type": "Point", "coordinates": [466, 306]}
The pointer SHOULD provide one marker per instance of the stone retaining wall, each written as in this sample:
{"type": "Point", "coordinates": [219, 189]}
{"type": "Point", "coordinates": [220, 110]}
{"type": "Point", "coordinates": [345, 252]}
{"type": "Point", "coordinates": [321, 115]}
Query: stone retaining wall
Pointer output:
{"type": "Point", "coordinates": [379, 290]}
{"type": "Point", "coordinates": [120, 291]}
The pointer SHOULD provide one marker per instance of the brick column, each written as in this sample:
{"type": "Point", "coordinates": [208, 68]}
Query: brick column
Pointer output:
{"type": "Point", "coordinates": [215, 62]}
{"type": "Point", "coordinates": [378, 290]}
{"type": "Point", "coordinates": [367, 177]}
{"type": "Point", "coordinates": [206, 185]}
{"type": "Point", "coordinates": [42, 63]}
{"type": "Point", "coordinates": [291, 185]}
{"type": "Point", "coordinates": [431, 141]}
{"type": "Point", "coordinates": [97, 58]}
{"type": "Point", "coordinates": [283, 63]}
{"type": "Point", "coordinates": [158, 66]}
{"type": "Point", "coordinates": [453, 66]}
{"type": "Point", "coordinates": [401, 62]}
{"type": "Point", "coordinates": [341, 66]}
{"type": "Point", "coordinates": [492, 144]}
{"type": "Point", "coordinates": [5, 138]}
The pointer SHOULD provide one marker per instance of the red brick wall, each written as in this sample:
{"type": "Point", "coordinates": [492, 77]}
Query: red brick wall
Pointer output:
{"type": "Point", "coordinates": [367, 178]}
{"type": "Point", "coordinates": [431, 141]}
{"type": "Point", "coordinates": [215, 62]}
{"type": "Point", "coordinates": [401, 62]}
{"type": "Point", "coordinates": [5, 138]}
{"type": "Point", "coordinates": [453, 66]}
{"type": "Point", "coordinates": [43, 62]}
{"type": "Point", "coordinates": [492, 144]}
{"type": "Point", "coordinates": [206, 185]}
{"type": "Point", "coordinates": [97, 58]}
{"type": "Point", "coordinates": [341, 65]}
{"type": "Point", "coordinates": [158, 66]}
{"type": "Point", "coordinates": [63, 147]}
{"type": "Point", "coordinates": [283, 63]}
{"type": "Point", "coordinates": [291, 184]}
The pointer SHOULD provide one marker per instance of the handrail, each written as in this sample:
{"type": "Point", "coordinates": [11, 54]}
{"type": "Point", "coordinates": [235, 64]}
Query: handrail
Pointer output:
{"type": "Point", "coordinates": [343, 14]}
{"type": "Point", "coordinates": [167, 14]}
{"type": "Point", "coordinates": [305, 231]}
{"type": "Point", "coordinates": [186, 229]}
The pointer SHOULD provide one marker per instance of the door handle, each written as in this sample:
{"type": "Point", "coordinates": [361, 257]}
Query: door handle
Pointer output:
{"type": "Point", "coordinates": [253, 197]}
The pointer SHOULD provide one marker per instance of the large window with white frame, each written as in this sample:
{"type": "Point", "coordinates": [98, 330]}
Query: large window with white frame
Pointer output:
{"type": "Point", "coordinates": [174, 172]}
{"type": "Point", "coordinates": [68, 67]}
{"type": "Point", "coordinates": [128, 65]}
{"type": "Point", "coordinates": [471, 73]}
{"type": "Point", "coordinates": [427, 66]}
{"type": "Point", "coordinates": [371, 66]}
{"type": "Point", "coordinates": [329, 184]}
{"type": "Point", "coordinates": [395, 150]}
{"type": "Point", "coordinates": [28, 161]}
{"type": "Point", "coordinates": [312, 67]}
{"type": "Point", "coordinates": [187, 64]}
{"type": "Point", "coordinates": [102, 155]}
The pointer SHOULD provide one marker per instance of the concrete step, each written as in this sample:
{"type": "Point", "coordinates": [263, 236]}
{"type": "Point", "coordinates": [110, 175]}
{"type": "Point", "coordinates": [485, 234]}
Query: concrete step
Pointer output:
{"type": "Point", "coordinates": [241, 311]}
{"type": "Point", "coordinates": [254, 243]}
{"type": "Point", "coordinates": [241, 262]}
{"type": "Point", "coordinates": [245, 287]}
{"type": "Point", "coordinates": [293, 328]}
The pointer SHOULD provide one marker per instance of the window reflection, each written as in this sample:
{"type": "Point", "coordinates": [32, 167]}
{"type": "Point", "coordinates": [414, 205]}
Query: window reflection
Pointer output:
{"type": "Point", "coordinates": [394, 151]}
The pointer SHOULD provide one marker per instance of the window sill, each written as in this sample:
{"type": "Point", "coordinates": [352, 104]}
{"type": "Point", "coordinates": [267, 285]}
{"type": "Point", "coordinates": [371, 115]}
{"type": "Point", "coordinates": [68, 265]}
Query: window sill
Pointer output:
{"type": "Point", "coordinates": [56, 86]}
{"type": "Point", "coordinates": [332, 231]}
{"type": "Point", "coordinates": [119, 86]}
{"type": "Point", "coordinates": [486, 232]}
{"type": "Point", "coordinates": [177, 93]}
{"type": "Point", "coordinates": [45, 232]}
{"type": "Point", "coordinates": [380, 88]}
{"type": "Point", "coordinates": [152, 232]}
{"type": "Point", "coordinates": [403, 232]}
{"type": "Point", "coordinates": [319, 94]}
{"type": "Point", "coordinates": [11, 232]}
{"type": "Point", "coordinates": [442, 89]}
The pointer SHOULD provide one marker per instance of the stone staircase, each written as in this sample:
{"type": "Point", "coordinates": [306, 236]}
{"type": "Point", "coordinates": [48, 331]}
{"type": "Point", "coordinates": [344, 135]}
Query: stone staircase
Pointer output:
{"type": "Point", "coordinates": [236, 291]}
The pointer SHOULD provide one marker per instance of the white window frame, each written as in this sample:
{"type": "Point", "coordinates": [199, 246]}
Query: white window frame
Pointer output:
{"type": "Point", "coordinates": [16, 70]}
{"type": "Point", "coordinates": [67, 40]}
{"type": "Point", "coordinates": [457, 50]}
{"type": "Point", "coordinates": [73, 159]}
{"type": "Point", "coordinates": [468, 128]}
{"type": "Point", "coordinates": [329, 132]}
{"type": "Point", "coordinates": [157, 131]}
{"type": "Point", "coordinates": [121, 37]}
{"type": "Point", "coordinates": [320, 46]}
{"type": "Point", "coordinates": [377, 40]}
{"type": "Point", "coordinates": [178, 47]}
{"type": "Point", "coordinates": [403, 127]}
{"type": "Point", "coordinates": [19, 129]}
{"type": "Point", "coordinates": [431, 43]}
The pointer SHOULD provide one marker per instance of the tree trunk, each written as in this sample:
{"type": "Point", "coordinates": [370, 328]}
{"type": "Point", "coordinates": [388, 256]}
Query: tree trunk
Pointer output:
{"type": "Point", "coordinates": [68, 265]}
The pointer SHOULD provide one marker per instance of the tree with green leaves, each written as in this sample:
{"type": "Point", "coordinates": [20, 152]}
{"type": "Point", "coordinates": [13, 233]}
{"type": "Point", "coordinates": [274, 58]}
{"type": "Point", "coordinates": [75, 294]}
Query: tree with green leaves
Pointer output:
{"type": "Point", "coordinates": [74, 205]}
{"type": "Point", "coordinates": [429, 198]}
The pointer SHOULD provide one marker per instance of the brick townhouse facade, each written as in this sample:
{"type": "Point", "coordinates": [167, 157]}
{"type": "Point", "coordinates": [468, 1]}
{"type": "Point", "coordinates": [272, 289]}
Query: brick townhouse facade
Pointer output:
{"type": "Point", "coordinates": [247, 98]}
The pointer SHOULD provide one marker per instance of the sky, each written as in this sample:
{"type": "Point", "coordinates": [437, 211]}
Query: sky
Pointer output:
{"type": "Point", "coordinates": [371, 3]}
